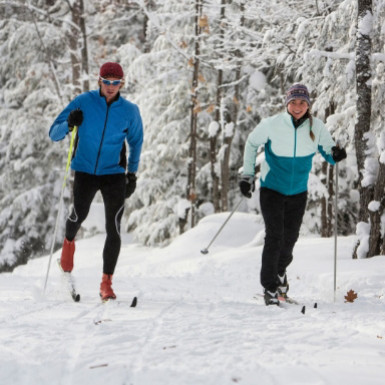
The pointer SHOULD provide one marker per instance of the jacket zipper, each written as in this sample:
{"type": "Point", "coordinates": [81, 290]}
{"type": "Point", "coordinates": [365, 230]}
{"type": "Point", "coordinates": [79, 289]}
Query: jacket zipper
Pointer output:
{"type": "Point", "coordinates": [294, 156]}
{"type": "Point", "coordinates": [101, 141]}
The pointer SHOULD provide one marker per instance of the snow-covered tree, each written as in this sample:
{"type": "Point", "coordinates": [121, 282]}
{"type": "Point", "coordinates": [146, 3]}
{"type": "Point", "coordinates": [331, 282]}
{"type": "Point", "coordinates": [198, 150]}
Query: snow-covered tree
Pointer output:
{"type": "Point", "coordinates": [203, 72]}
{"type": "Point", "coordinates": [43, 65]}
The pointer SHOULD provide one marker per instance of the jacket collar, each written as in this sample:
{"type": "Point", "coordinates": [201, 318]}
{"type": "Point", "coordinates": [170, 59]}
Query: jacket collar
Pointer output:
{"type": "Point", "coordinates": [114, 100]}
{"type": "Point", "coordinates": [298, 122]}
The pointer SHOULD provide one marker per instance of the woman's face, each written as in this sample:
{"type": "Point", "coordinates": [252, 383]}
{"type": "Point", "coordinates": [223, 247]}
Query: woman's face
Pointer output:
{"type": "Point", "coordinates": [297, 108]}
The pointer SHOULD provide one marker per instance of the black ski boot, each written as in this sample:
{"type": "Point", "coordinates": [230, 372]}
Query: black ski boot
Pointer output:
{"type": "Point", "coordinates": [271, 298]}
{"type": "Point", "coordinates": [283, 286]}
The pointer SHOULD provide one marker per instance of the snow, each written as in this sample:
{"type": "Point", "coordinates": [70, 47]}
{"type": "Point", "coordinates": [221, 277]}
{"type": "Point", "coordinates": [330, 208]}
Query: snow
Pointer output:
{"type": "Point", "coordinates": [374, 206]}
{"type": "Point", "coordinates": [196, 321]}
{"type": "Point", "coordinates": [365, 24]}
{"type": "Point", "coordinates": [183, 205]}
{"type": "Point", "coordinates": [257, 80]}
{"type": "Point", "coordinates": [363, 234]}
{"type": "Point", "coordinates": [213, 129]}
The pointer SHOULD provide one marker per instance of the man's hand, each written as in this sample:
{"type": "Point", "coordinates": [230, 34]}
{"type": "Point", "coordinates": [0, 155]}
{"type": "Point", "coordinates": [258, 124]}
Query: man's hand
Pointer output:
{"type": "Point", "coordinates": [75, 118]}
{"type": "Point", "coordinates": [130, 184]}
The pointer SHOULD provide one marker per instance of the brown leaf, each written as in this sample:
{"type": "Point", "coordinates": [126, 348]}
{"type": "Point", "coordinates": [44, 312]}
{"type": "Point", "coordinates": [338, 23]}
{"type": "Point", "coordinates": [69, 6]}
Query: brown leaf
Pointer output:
{"type": "Point", "coordinates": [201, 78]}
{"type": "Point", "coordinates": [203, 21]}
{"type": "Point", "coordinates": [183, 44]}
{"type": "Point", "coordinates": [192, 197]}
{"type": "Point", "coordinates": [197, 109]}
{"type": "Point", "coordinates": [350, 296]}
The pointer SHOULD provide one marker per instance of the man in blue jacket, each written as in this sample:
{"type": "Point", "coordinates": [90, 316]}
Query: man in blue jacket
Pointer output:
{"type": "Point", "coordinates": [105, 121]}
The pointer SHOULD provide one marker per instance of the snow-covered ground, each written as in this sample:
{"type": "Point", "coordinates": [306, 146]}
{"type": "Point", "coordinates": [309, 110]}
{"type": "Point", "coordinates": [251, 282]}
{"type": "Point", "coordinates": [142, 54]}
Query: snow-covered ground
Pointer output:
{"type": "Point", "coordinates": [196, 321]}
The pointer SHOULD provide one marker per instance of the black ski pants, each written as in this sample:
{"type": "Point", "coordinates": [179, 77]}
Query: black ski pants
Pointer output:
{"type": "Point", "coordinates": [282, 215]}
{"type": "Point", "coordinates": [112, 188]}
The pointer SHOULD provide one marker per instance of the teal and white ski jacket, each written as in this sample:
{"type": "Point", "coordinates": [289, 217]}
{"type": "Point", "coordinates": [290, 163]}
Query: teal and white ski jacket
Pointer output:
{"type": "Point", "coordinates": [288, 152]}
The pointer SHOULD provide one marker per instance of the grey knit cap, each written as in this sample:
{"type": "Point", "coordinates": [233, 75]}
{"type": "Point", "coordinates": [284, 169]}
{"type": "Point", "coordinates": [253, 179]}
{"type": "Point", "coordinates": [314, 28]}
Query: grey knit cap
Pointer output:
{"type": "Point", "coordinates": [297, 91]}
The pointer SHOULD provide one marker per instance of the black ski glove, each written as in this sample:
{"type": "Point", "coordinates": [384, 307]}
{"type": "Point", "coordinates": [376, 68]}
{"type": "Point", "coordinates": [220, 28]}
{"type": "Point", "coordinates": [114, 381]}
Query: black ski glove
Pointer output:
{"type": "Point", "coordinates": [247, 185]}
{"type": "Point", "coordinates": [75, 118]}
{"type": "Point", "coordinates": [130, 184]}
{"type": "Point", "coordinates": [338, 154]}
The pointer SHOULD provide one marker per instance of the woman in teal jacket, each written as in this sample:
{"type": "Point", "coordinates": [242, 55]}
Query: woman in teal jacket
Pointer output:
{"type": "Point", "coordinates": [105, 122]}
{"type": "Point", "coordinates": [291, 139]}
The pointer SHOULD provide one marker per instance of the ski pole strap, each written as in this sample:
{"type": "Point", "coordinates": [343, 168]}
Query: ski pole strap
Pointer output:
{"type": "Point", "coordinates": [73, 135]}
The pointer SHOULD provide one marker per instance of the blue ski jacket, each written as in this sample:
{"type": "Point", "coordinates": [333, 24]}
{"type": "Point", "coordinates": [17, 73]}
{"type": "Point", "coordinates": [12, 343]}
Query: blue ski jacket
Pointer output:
{"type": "Point", "coordinates": [100, 143]}
{"type": "Point", "coordinates": [288, 152]}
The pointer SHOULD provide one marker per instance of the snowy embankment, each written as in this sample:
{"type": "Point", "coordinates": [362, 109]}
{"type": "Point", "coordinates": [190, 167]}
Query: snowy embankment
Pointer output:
{"type": "Point", "coordinates": [196, 321]}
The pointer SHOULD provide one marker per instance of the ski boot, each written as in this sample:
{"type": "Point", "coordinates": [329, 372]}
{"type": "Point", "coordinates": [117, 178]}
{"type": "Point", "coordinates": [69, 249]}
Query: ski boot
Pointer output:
{"type": "Point", "coordinates": [67, 255]}
{"type": "Point", "coordinates": [271, 298]}
{"type": "Point", "coordinates": [283, 286]}
{"type": "Point", "coordinates": [106, 291]}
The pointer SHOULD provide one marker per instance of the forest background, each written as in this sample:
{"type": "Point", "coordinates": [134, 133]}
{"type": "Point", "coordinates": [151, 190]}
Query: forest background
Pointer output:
{"type": "Point", "coordinates": [204, 73]}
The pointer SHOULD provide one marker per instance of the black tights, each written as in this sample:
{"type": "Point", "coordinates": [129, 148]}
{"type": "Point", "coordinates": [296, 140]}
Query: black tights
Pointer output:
{"type": "Point", "coordinates": [112, 188]}
{"type": "Point", "coordinates": [282, 215]}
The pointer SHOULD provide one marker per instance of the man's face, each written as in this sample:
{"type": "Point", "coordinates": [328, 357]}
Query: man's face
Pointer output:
{"type": "Point", "coordinates": [110, 87]}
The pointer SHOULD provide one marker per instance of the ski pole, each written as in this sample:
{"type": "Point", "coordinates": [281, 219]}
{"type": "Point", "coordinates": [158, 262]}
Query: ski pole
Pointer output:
{"type": "Point", "coordinates": [335, 231]}
{"type": "Point", "coordinates": [73, 135]}
{"type": "Point", "coordinates": [206, 250]}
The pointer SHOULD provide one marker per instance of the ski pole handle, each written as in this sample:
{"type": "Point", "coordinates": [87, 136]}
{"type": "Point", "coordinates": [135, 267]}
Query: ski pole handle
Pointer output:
{"type": "Point", "coordinates": [73, 135]}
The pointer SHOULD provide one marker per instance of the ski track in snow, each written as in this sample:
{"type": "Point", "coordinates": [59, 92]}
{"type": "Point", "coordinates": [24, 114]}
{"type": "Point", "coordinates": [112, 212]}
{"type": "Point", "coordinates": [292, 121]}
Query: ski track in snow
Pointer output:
{"type": "Point", "coordinates": [196, 322]}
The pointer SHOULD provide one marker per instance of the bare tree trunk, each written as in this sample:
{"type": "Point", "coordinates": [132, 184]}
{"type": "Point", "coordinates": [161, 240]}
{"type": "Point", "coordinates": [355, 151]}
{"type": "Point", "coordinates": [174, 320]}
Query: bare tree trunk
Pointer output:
{"type": "Point", "coordinates": [214, 139]}
{"type": "Point", "coordinates": [225, 164]}
{"type": "Point", "coordinates": [213, 146]}
{"type": "Point", "coordinates": [364, 95]}
{"type": "Point", "coordinates": [150, 5]}
{"type": "Point", "coordinates": [79, 63]}
{"type": "Point", "coordinates": [376, 241]}
{"type": "Point", "coordinates": [327, 204]}
{"type": "Point", "coordinates": [84, 50]}
{"type": "Point", "coordinates": [73, 39]}
{"type": "Point", "coordinates": [191, 182]}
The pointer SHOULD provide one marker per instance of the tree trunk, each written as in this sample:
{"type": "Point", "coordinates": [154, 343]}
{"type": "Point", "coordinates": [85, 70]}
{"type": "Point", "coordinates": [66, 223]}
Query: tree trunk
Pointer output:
{"type": "Point", "coordinates": [214, 139]}
{"type": "Point", "coordinates": [150, 5]}
{"type": "Point", "coordinates": [375, 238]}
{"type": "Point", "coordinates": [191, 182]}
{"type": "Point", "coordinates": [84, 50]}
{"type": "Point", "coordinates": [73, 39]}
{"type": "Point", "coordinates": [213, 146]}
{"type": "Point", "coordinates": [228, 139]}
{"type": "Point", "coordinates": [364, 95]}
{"type": "Point", "coordinates": [327, 204]}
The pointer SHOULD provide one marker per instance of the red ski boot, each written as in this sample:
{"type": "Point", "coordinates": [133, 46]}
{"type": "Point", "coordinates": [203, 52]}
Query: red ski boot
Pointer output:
{"type": "Point", "coordinates": [106, 291]}
{"type": "Point", "coordinates": [67, 255]}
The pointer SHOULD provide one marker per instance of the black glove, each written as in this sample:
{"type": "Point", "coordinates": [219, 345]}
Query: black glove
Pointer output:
{"type": "Point", "coordinates": [75, 118]}
{"type": "Point", "coordinates": [247, 185]}
{"type": "Point", "coordinates": [338, 154]}
{"type": "Point", "coordinates": [130, 184]}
